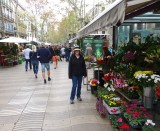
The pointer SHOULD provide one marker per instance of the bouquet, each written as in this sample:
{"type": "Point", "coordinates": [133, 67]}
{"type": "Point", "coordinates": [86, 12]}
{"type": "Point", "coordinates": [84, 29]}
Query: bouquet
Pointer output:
{"type": "Point", "coordinates": [93, 82]}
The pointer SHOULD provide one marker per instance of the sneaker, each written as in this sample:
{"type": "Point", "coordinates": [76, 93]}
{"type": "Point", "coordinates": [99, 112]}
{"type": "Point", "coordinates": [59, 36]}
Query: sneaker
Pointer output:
{"type": "Point", "coordinates": [35, 75]}
{"type": "Point", "coordinates": [80, 99]}
{"type": "Point", "coordinates": [71, 102]}
{"type": "Point", "coordinates": [49, 79]}
{"type": "Point", "coordinates": [45, 81]}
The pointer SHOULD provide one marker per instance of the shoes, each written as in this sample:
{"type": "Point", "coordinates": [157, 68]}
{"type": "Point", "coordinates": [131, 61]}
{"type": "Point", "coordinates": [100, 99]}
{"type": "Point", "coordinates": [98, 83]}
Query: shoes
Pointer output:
{"type": "Point", "coordinates": [54, 67]}
{"type": "Point", "coordinates": [35, 75]}
{"type": "Point", "coordinates": [26, 70]}
{"type": "Point", "coordinates": [71, 102]}
{"type": "Point", "coordinates": [49, 79]}
{"type": "Point", "coordinates": [45, 81]}
{"type": "Point", "coordinates": [79, 99]}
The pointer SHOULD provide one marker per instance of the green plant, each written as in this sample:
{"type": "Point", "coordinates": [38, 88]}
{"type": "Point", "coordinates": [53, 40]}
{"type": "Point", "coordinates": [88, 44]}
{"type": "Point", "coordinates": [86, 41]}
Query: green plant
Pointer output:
{"type": "Point", "coordinates": [117, 122]}
{"type": "Point", "coordinates": [136, 116]}
{"type": "Point", "coordinates": [149, 126]}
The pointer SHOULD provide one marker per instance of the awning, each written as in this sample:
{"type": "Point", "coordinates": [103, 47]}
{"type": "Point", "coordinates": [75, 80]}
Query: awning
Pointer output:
{"type": "Point", "coordinates": [116, 13]}
{"type": "Point", "coordinates": [109, 17]}
{"type": "Point", "coordinates": [138, 7]}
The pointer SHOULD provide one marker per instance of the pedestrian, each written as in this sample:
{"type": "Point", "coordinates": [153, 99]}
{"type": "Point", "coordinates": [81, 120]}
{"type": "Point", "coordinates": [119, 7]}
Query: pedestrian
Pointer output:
{"type": "Point", "coordinates": [89, 54]}
{"type": "Point", "coordinates": [44, 56]}
{"type": "Point", "coordinates": [63, 52]}
{"type": "Point", "coordinates": [27, 58]}
{"type": "Point", "coordinates": [34, 60]}
{"type": "Point", "coordinates": [67, 53]}
{"type": "Point", "coordinates": [55, 57]}
{"type": "Point", "coordinates": [51, 51]}
{"type": "Point", "coordinates": [77, 69]}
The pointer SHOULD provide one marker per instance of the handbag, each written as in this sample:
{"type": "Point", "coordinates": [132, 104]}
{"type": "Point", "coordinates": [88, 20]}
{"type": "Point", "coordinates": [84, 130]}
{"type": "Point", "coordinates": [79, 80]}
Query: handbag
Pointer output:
{"type": "Point", "coordinates": [54, 58]}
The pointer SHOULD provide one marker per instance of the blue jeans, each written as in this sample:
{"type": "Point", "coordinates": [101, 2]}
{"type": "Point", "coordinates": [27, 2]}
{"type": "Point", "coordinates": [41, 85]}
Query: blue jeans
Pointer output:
{"type": "Point", "coordinates": [35, 66]}
{"type": "Point", "coordinates": [76, 84]}
{"type": "Point", "coordinates": [26, 65]}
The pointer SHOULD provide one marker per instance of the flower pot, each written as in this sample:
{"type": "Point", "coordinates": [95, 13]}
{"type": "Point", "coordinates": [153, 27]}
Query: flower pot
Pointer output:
{"type": "Point", "coordinates": [148, 97]}
{"type": "Point", "coordinates": [93, 89]}
{"type": "Point", "coordinates": [111, 110]}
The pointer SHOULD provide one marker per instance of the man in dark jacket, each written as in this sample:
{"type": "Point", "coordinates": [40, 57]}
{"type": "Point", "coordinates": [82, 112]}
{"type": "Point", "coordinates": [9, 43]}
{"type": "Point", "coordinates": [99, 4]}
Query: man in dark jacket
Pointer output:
{"type": "Point", "coordinates": [44, 58]}
{"type": "Point", "coordinates": [77, 69]}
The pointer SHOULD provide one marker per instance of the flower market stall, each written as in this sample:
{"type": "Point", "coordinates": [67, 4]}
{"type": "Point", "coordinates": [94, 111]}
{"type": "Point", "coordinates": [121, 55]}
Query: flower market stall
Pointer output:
{"type": "Point", "coordinates": [131, 87]}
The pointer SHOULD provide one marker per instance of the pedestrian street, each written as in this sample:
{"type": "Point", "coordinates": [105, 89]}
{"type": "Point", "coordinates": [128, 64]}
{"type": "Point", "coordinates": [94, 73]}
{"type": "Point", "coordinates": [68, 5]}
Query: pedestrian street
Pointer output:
{"type": "Point", "coordinates": [27, 104]}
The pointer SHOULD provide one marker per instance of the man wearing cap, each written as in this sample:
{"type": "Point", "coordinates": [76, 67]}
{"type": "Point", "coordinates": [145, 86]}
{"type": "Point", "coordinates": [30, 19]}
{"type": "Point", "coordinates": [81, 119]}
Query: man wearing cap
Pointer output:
{"type": "Point", "coordinates": [77, 69]}
{"type": "Point", "coordinates": [45, 57]}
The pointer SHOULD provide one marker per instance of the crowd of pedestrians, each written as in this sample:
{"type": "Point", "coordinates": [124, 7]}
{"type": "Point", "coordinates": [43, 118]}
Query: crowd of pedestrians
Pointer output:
{"type": "Point", "coordinates": [45, 55]}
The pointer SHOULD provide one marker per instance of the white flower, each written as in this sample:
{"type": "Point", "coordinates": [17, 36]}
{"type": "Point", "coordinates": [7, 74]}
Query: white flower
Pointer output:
{"type": "Point", "coordinates": [109, 89]}
{"type": "Point", "coordinates": [112, 88]}
{"type": "Point", "coordinates": [116, 98]}
{"type": "Point", "coordinates": [150, 122]}
{"type": "Point", "coordinates": [106, 84]}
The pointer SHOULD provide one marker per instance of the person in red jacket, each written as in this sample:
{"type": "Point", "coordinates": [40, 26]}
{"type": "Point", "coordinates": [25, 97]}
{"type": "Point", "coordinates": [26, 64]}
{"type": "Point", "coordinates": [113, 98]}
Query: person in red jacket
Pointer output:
{"type": "Point", "coordinates": [77, 69]}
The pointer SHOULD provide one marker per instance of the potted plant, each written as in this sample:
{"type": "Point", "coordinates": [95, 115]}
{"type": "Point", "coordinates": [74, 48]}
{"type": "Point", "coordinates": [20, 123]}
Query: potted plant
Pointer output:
{"type": "Point", "coordinates": [136, 116]}
{"type": "Point", "coordinates": [148, 81]}
{"type": "Point", "coordinates": [132, 92]}
{"type": "Point", "coordinates": [118, 123]}
{"type": "Point", "coordinates": [112, 103]}
{"type": "Point", "coordinates": [93, 84]}
{"type": "Point", "coordinates": [149, 126]}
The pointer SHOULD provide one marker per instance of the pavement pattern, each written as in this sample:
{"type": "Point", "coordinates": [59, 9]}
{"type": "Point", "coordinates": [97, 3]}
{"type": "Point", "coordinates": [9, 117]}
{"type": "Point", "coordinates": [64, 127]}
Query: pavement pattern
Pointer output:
{"type": "Point", "coordinates": [27, 104]}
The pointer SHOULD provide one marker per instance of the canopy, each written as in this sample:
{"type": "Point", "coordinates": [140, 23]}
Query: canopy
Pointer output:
{"type": "Point", "coordinates": [109, 17]}
{"type": "Point", "coordinates": [13, 40]}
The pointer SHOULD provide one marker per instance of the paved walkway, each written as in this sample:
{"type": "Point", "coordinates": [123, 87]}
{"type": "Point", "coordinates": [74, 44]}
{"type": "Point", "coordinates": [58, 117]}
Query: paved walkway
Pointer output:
{"type": "Point", "coordinates": [26, 104]}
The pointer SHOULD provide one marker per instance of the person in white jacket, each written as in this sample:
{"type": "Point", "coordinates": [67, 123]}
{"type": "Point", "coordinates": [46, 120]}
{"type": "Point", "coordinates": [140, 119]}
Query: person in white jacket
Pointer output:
{"type": "Point", "coordinates": [26, 53]}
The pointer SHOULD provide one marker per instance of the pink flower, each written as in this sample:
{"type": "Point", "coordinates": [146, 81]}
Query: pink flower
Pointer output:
{"type": "Point", "coordinates": [120, 120]}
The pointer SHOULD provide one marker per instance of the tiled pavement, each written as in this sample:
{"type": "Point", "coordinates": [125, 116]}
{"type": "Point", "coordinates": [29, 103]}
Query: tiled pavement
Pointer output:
{"type": "Point", "coordinates": [26, 104]}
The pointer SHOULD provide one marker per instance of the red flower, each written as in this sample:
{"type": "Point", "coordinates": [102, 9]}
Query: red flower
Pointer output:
{"type": "Point", "coordinates": [108, 77]}
{"type": "Point", "coordinates": [114, 110]}
{"type": "Point", "coordinates": [124, 126]}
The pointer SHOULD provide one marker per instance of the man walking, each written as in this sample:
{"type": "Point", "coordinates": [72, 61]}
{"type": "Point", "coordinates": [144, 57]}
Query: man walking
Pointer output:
{"type": "Point", "coordinates": [27, 58]}
{"type": "Point", "coordinates": [44, 57]}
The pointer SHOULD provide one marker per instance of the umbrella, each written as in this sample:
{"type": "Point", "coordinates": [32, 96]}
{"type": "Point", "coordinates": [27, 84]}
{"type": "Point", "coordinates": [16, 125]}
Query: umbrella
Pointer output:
{"type": "Point", "coordinates": [13, 40]}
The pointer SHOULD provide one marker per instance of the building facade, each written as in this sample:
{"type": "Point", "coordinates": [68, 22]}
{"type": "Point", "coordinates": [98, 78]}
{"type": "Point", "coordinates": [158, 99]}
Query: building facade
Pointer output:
{"type": "Point", "coordinates": [16, 21]}
{"type": "Point", "coordinates": [7, 18]}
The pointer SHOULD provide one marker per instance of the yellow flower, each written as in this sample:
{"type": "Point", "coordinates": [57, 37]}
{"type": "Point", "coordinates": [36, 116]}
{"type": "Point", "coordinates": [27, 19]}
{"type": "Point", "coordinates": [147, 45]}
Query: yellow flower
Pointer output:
{"type": "Point", "coordinates": [143, 72]}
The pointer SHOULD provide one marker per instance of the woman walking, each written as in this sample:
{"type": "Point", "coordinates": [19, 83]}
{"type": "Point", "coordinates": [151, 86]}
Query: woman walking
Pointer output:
{"type": "Point", "coordinates": [34, 60]}
{"type": "Point", "coordinates": [77, 69]}
{"type": "Point", "coordinates": [55, 57]}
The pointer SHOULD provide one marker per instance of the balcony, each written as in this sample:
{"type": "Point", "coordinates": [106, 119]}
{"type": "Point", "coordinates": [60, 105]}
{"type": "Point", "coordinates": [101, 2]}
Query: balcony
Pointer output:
{"type": "Point", "coordinates": [8, 18]}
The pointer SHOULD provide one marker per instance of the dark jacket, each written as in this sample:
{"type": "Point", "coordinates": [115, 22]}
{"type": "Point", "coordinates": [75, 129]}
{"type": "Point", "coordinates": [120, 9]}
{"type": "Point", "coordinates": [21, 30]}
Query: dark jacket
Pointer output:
{"type": "Point", "coordinates": [44, 55]}
{"type": "Point", "coordinates": [77, 66]}
{"type": "Point", "coordinates": [33, 56]}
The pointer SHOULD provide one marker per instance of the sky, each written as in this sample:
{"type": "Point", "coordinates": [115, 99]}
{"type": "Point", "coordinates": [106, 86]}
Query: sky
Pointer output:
{"type": "Point", "coordinates": [59, 5]}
